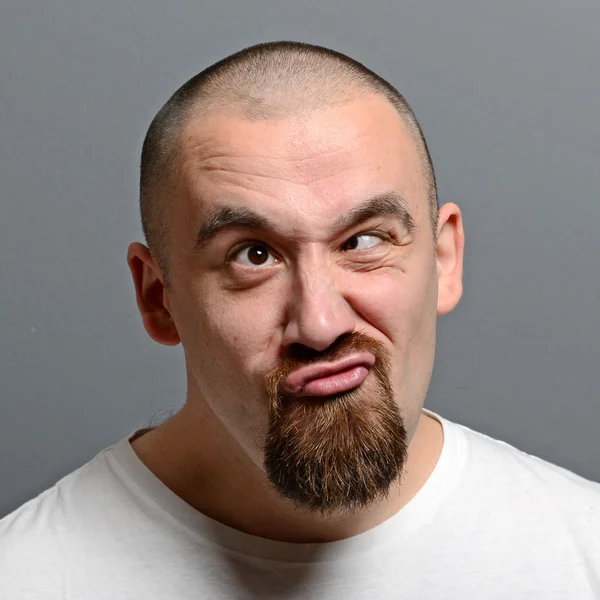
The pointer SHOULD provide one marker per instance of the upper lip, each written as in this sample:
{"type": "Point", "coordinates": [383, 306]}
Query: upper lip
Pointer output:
{"type": "Point", "coordinates": [296, 380]}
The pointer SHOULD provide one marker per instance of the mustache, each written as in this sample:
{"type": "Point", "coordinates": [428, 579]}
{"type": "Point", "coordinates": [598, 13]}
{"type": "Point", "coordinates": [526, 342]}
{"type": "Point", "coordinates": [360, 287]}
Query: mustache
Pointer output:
{"type": "Point", "coordinates": [301, 356]}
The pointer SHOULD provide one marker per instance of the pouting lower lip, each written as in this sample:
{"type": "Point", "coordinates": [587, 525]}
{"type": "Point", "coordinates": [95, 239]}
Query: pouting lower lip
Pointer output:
{"type": "Point", "coordinates": [346, 373]}
{"type": "Point", "coordinates": [337, 383]}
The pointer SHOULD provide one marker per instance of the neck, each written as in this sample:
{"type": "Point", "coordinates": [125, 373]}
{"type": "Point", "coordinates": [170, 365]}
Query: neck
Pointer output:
{"type": "Point", "coordinates": [196, 457]}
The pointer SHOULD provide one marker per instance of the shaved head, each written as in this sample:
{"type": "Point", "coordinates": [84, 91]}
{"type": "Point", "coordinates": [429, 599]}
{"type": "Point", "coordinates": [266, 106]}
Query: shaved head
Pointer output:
{"type": "Point", "coordinates": [266, 82]}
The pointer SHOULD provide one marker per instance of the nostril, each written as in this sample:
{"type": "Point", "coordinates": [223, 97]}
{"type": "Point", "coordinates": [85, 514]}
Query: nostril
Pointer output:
{"type": "Point", "coordinates": [302, 353]}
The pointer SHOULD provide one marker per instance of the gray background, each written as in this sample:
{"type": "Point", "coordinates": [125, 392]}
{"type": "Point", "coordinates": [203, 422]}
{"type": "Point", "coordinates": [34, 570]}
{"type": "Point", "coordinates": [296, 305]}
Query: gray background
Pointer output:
{"type": "Point", "coordinates": [508, 95]}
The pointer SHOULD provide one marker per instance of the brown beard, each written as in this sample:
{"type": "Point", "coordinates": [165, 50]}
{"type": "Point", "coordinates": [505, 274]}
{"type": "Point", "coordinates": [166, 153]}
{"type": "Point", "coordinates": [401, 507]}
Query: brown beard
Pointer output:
{"type": "Point", "coordinates": [335, 453]}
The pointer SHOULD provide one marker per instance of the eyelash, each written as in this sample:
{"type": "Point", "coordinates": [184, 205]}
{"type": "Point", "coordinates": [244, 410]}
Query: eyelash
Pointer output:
{"type": "Point", "coordinates": [386, 236]}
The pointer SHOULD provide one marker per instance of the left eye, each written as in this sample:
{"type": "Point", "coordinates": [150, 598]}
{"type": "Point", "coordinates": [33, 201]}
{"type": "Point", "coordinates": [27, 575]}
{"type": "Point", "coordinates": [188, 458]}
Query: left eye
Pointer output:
{"type": "Point", "coordinates": [362, 242]}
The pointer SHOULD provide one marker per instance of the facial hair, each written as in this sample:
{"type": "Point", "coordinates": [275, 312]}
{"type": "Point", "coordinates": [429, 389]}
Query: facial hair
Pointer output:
{"type": "Point", "coordinates": [336, 453]}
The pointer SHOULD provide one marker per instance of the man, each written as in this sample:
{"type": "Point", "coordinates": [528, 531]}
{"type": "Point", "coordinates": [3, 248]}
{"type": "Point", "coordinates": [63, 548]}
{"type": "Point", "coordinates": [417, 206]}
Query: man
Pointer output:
{"type": "Point", "coordinates": [297, 252]}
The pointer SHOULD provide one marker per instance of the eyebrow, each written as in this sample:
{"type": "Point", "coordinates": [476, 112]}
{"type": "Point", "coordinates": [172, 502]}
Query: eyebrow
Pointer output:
{"type": "Point", "coordinates": [383, 205]}
{"type": "Point", "coordinates": [223, 217]}
{"type": "Point", "coordinates": [228, 217]}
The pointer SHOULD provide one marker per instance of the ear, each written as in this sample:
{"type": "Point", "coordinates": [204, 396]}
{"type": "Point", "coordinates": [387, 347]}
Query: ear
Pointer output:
{"type": "Point", "coordinates": [450, 252]}
{"type": "Point", "coordinates": [151, 295]}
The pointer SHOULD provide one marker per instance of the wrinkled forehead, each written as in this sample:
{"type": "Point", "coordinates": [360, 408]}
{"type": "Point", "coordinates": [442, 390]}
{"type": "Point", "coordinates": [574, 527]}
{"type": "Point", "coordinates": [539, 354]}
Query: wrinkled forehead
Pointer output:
{"type": "Point", "coordinates": [314, 165]}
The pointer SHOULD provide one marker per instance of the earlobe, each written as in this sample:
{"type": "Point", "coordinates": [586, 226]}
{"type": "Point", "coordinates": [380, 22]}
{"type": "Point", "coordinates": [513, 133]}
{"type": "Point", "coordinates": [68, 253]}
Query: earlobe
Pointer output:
{"type": "Point", "coordinates": [450, 252]}
{"type": "Point", "coordinates": [150, 296]}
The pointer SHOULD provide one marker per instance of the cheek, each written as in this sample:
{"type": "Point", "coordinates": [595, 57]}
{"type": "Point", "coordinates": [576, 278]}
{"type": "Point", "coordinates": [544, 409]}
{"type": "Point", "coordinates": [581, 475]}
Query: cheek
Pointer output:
{"type": "Point", "coordinates": [399, 308]}
{"type": "Point", "coordinates": [397, 304]}
{"type": "Point", "coordinates": [237, 328]}
{"type": "Point", "coordinates": [226, 340]}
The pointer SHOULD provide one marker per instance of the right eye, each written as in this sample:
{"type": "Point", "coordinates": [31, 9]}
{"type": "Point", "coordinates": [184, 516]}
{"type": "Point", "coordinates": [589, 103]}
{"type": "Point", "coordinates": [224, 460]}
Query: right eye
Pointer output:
{"type": "Point", "coordinates": [254, 256]}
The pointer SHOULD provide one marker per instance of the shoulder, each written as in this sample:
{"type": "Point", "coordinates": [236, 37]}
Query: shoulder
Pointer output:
{"type": "Point", "coordinates": [37, 540]}
{"type": "Point", "coordinates": [508, 459]}
{"type": "Point", "coordinates": [530, 484]}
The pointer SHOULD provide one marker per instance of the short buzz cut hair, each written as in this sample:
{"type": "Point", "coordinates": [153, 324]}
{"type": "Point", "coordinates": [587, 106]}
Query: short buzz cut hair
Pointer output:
{"type": "Point", "coordinates": [263, 82]}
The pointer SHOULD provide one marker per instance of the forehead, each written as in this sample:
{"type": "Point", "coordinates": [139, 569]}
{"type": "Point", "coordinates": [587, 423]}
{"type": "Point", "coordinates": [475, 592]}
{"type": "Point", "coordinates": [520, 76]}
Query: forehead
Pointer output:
{"type": "Point", "coordinates": [313, 166]}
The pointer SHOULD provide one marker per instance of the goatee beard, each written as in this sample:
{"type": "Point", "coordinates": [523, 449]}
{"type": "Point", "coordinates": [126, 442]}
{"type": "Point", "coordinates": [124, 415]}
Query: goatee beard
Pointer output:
{"type": "Point", "coordinates": [338, 453]}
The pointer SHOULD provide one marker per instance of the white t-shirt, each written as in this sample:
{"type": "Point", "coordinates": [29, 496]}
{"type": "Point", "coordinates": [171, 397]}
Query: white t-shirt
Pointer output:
{"type": "Point", "coordinates": [490, 522]}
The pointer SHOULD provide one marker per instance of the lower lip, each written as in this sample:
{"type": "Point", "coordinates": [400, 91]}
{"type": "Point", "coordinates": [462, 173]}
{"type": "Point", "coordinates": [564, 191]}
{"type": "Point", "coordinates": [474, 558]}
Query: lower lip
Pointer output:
{"type": "Point", "coordinates": [337, 383]}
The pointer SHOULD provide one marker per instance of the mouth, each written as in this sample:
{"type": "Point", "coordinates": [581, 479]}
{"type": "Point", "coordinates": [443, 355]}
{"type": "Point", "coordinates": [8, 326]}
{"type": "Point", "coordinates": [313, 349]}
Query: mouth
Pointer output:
{"type": "Point", "coordinates": [329, 378]}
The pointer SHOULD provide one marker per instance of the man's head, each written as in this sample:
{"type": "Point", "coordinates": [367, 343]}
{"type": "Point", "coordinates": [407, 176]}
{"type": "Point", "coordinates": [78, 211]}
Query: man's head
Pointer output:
{"type": "Point", "coordinates": [266, 82]}
{"type": "Point", "coordinates": [297, 252]}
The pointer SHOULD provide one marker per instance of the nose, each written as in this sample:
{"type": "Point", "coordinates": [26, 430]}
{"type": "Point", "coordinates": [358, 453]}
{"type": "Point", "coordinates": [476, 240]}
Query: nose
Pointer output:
{"type": "Point", "coordinates": [318, 312]}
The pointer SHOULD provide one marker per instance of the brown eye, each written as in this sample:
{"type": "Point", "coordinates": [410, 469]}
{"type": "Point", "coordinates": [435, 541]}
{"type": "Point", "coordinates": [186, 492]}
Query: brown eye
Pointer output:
{"type": "Point", "coordinates": [362, 241]}
{"type": "Point", "coordinates": [352, 243]}
{"type": "Point", "coordinates": [256, 255]}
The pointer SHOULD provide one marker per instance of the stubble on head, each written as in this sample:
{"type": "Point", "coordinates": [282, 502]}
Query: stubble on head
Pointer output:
{"type": "Point", "coordinates": [335, 454]}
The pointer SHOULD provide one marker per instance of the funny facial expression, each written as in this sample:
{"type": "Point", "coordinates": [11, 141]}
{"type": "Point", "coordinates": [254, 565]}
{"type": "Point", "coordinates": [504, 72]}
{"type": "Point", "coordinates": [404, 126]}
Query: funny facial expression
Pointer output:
{"type": "Point", "coordinates": [306, 284]}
